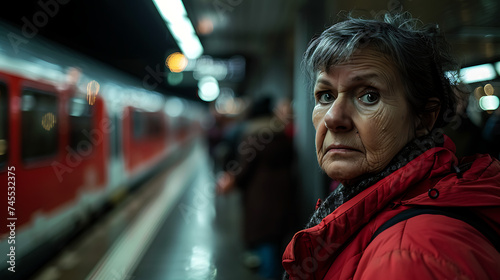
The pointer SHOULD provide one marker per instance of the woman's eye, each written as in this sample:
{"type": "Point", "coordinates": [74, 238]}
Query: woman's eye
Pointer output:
{"type": "Point", "coordinates": [326, 97]}
{"type": "Point", "coordinates": [370, 98]}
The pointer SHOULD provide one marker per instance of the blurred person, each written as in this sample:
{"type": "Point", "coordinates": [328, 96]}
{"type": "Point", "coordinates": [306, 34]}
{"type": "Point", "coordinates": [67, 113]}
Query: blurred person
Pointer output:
{"type": "Point", "coordinates": [471, 122]}
{"type": "Point", "coordinates": [382, 99]}
{"type": "Point", "coordinates": [491, 133]}
{"type": "Point", "coordinates": [262, 168]}
{"type": "Point", "coordinates": [218, 149]}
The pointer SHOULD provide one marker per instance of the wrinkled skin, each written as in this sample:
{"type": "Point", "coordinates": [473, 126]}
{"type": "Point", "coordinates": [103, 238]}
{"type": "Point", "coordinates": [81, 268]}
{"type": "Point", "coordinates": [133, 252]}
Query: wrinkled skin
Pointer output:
{"type": "Point", "coordinates": [361, 105]}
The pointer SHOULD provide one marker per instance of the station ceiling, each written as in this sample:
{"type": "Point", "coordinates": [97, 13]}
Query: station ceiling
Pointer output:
{"type": "Point", "coordinates": [131, 35]}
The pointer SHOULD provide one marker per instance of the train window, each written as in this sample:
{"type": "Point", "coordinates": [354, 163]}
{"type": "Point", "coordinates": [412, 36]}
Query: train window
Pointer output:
{"type": "Point", "coordinates": [80, 121]}
{"type": "Point", "coordinates": [155, 125]}
{"type": "Point", "coordinates": [3, 124]}
{"type": "Point", "coordinates": [146, 124]}
{"type": "Point", "coordinates": [138, 124]}
{"type": "Point", "coordinates": [39, 124]}
{"type": "Point", "coordinates": [115, 138]}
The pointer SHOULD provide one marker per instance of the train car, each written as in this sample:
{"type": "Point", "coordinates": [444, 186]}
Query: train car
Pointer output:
{"type": "Point", "coordinates": [75, 136]}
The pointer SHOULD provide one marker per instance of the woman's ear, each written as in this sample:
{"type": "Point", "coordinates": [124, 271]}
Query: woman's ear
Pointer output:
{"type": "Point", "coordinates": [425, 121]}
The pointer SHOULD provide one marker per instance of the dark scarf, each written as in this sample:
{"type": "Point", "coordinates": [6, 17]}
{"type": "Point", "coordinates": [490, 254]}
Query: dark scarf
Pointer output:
{"type": "Point", "coordinates": [343, 193]}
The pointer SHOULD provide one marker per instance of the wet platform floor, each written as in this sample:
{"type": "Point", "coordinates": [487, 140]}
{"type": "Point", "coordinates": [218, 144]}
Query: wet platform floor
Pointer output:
{"type": "Point", "coordinates": [173, 227]}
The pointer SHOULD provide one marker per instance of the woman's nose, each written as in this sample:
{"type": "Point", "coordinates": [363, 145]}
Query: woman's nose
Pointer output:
{"type": "Point", "coordinates": [338, 118]}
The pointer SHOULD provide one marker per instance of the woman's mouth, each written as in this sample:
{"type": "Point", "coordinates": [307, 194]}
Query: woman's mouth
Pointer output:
{"type": "Point", "coordinates": [338, 148]}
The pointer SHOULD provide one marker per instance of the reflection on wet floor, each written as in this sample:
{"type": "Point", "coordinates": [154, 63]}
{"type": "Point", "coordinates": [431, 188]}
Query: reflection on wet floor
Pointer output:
{"type": "Point", "coordinates": [201, 239]}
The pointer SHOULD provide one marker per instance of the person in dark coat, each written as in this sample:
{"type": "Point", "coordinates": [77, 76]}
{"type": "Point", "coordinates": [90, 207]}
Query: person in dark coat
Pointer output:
{"type": "Point", "coordinates": [262, 168]}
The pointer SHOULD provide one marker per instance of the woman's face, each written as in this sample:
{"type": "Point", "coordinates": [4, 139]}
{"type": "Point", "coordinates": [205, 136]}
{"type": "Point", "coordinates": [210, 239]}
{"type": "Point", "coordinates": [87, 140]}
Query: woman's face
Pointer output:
{"type": "Point", "coordinates": [361, 116]}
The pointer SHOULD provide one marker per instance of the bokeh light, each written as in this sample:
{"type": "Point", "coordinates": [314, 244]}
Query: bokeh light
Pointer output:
{"type": "Point", "coordinates": [208, 89]}
{"type": "Point", "coordinates": [48, 121]}
{"type": "Point", "coordinates": [205, 26]}
{"type": "Point", "coordinates": [174, 107]}
{"type": "Point", "coordinates": [489, 103]}
{"type": "Point", "coordinates": [92, 91]}
{"type": "Point", "coordinates": [227, 103]}
{"type": "Point", "coordinates": [176, 62]}
{"type": "Point", "coordinates": [488, 89]}
{"type": "Point", "coordinates": [174, 79]}
{"type": "Point", "coordinates": [479, 92]}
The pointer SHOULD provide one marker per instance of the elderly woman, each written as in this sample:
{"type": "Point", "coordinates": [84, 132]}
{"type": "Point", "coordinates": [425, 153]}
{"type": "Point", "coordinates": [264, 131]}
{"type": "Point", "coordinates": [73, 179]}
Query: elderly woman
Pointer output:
{"type": "Point", "coordinates": [382, 97]}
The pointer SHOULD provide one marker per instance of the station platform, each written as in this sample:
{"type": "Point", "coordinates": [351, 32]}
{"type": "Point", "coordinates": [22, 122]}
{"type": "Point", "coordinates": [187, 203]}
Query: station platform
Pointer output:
{"type": "Point", "coordinates": [172, 227]}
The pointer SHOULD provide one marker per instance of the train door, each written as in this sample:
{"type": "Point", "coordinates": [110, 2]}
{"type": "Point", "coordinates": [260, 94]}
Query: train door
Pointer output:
{"type": "Point", "coordinates": [3, 125]}
{"type": "Point", "coordinates": [80, 121]}
{"type": "Point", "coordinates": [87, 141]}
{"type": "Point", "coordinates": [39, 130]}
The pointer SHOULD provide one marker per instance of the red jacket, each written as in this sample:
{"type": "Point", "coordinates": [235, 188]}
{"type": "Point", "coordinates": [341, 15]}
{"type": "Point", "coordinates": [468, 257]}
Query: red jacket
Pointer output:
{"type": "Point", "coordinates": [423, 247]}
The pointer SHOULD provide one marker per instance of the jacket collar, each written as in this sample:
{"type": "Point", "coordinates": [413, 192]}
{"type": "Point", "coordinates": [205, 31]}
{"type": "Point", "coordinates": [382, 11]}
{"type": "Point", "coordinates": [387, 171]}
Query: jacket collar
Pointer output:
{"type": "Point", "coordinates": [312, 250]}
{"type": "Point", "coordinates": [344, 193]}
{"type": "Point", "coordinates": [475, 183]}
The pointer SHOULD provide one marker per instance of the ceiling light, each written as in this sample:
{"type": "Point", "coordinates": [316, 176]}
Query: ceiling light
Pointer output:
{"type": "Point", "coordinates": [174, 13]}
{"type": "Point", "coordinates": [497, 66]}
{"type": "Point", "coordinates": [478, 73]}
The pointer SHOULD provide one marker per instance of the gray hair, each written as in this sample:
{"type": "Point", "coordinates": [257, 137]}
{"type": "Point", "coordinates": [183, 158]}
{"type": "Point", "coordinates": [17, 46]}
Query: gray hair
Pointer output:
{"type": "Point", "coordinates": [420, 54]}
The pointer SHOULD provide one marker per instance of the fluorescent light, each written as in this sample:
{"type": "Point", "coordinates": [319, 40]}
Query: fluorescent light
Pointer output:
{"type": "Point", "coordinates": [490, 102]}
{"type": "Point", "coordinates": [181, 29]}
{"type": "Point", "coordinates": [497, 66]}
{"type": "Point", "coordinates": [191, 48]}
{"type": "Point", "coordinates": [174, 13]}
{"type": "Point", "coordinates": [478, 73]}
{"type": "Point", "coordinates": [170, 9]}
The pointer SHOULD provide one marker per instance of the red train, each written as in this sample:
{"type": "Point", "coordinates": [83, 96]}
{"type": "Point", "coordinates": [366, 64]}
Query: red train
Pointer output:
{"type": "Point", "coordinates": [75, 135]}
